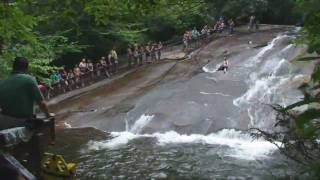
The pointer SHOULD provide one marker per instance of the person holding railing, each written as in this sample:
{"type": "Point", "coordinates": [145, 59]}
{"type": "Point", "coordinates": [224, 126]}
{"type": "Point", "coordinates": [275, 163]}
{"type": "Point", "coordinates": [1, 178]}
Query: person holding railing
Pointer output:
{"type": "Point", "coordinates": [18, 93]}
{"type": "Point", "coordinates": [252, 23]}
{"type": "Point", "coordinates": [64, 80]}
{"type": "Point", "coordinates": [141, 54]}
{"type": "Point", "coordinates": [71, 79]}
{"type": "Point", "coordinates": [159, 49]}
{"type": "Point", "coordinates": [129, 57]}
{"type": "Point", "coordinates": [77, 75]}
{"type": "Point", "coordinates": [98, 69]}
{"type": "Point", "coordinates": [83, 65]}
{"type": "Point", "coordinates": [105, 67]}
{"type": "Point", "coordinates": [153, 53]}
{"type": "Point", "coordinates": [185, 41]}
{"type": "Point", "coordinates": [136, 55]}
{"type": "Point", "coordinates": [148, 53]}
{"type": "Point", "coordinates": [90, 69]}
{"type": "Point", "coordinates": [113, 57]}
{"type": "Point", "coordinates": [231, 26]}
{"type": "Point", "coordinates": [56, 78]}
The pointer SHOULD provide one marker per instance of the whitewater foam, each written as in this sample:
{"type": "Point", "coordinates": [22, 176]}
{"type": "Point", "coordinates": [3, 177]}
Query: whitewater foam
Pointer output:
{"type": "Point", "coordinates": [207, 70]}
{"type": "Point", "coordinates": [240, 145]}
{"type": "Point", "coordinates": [265, 83]}
{"type": "Point", "coordinates": [67, 125]}
{"type": "Point", "coordinates": [216, 93]}
{"type": "Point", "coordinates": [257, 58]}
{"type": "Point", "coordinates": [141, 122]}
{"type": "Point", "coordinates": [119, 139]}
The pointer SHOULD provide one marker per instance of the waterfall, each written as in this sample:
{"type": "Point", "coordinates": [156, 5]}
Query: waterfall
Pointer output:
{"type": "Point", "coordinates": [141, 123]}
{"type": "Point", "coordinates": [265, 83]}
{"type": "Point", "coordinates": [258, 58]}
{"type": "Point", "coordinates": [266, 74]}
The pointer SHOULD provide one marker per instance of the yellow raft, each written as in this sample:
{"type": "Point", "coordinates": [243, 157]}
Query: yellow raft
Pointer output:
{"type": "Point", "coordinates": [54, 167]}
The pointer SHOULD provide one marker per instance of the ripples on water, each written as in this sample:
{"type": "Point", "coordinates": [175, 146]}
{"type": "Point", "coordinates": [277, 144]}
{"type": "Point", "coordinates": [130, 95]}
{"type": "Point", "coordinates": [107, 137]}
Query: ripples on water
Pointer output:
{"type": "Point", "coordinates": [173, 156]}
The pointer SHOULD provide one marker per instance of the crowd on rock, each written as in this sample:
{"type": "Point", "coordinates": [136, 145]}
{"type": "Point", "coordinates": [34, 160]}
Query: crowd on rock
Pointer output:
{"type": "Point", "coordinates": [137, 55]}
{"type": "Point", "coordinates": [219, 27]}
{"type": "Point", "coordinates": [87, 71]}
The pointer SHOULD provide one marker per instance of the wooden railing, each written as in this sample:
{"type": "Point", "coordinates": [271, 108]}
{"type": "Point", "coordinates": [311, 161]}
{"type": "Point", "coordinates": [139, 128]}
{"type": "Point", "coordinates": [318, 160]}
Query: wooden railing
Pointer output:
{"type": "Point", "coordinates": [20, 151]}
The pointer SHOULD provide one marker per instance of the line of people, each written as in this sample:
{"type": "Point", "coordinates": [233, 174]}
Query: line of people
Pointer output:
{"type": "Point", "coordinates": [138, 54]}
{"type": "Point", "coordinates": [84, 73]}
{"type": "Point", "coordinates": [221, 25]}
{"type": "Point", "coordinates": [88, 71]}
{"type": "Point", "coordinates": [194, 35]}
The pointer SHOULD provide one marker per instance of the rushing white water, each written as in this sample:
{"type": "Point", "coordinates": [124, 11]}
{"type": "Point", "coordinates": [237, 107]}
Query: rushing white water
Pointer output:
{"type": "Point", "coordinates": [208, 70]}
{"type": "Point", "coordinates": [211, 70]}
{"type": "Point", "coordinates": [258, 58]}
{"type": "Point", "coordinates": [266, 83]}
{"type": "Point", "coordinates": [267, 74]}
{"type": "Point", "coordinates": [67, 125]}
{"type": "Point", "coordinates": [140, 123]}
{"type": "Point", "coordinates": [240, 144]}
{"type": "Point", "coordinates": [253, 61]}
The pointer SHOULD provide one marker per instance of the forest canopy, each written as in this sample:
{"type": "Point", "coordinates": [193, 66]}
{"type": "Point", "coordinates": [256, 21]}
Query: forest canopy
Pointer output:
{"type": "Point", "coordinates": [57, 33]}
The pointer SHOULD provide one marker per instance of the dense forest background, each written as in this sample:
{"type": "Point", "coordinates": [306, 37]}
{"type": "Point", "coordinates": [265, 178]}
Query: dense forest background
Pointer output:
{"type": "Point", "coordinates": [60, 32]}
{"type": "Point", "coordinates": [55, 33]}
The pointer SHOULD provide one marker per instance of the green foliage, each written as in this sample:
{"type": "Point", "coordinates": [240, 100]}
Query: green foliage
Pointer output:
{"type": "Point", "coordinates": [60, 32]}
{"type": "Point", "coordinates": [17, 32]}
{"type": "Point", "coordinates": [310, 30]}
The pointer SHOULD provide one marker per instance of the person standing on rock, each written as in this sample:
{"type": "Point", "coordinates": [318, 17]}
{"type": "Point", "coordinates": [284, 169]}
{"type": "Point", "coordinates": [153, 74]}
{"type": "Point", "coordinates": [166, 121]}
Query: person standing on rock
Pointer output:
{"type": "Point", "coordinates": [141, 55]}
{"type": "Point", "coordinates": [83, 65]}
{"type": "Point", "coordinates": [252, 23]}
{"type": "Point", "coordinates": [105, 67]}
{"type": "Point", "coordinates": [136, 55]}
{"type": "Point", "coordinates": [114, 59]}
{"type": "Point", "coordinates": [159, 49]}
{"type": "Point", "coordinates": [148, 52]}
{"type": "Point", "coordinates": [77, 74]}
{"type": "Point", "coordinates": [153, 53]}
{"type": "Point", "coordinates": [185, 41]}
{"type": "Point", "coordinates": [130, 57]}
{"type": "Point", "coordinates": [90, 69]}
{"type": "Point", "coordinates": [231, 26]}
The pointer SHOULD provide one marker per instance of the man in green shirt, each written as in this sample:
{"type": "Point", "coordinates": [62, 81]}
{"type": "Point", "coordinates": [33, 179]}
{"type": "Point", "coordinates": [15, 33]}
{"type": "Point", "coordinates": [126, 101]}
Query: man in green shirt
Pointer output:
{"type": "Point", "coordinates": [18, 94]}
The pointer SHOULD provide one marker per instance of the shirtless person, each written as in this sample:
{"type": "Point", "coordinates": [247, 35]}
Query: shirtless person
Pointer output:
{"type": "Point", "coordinates": [225, 65]}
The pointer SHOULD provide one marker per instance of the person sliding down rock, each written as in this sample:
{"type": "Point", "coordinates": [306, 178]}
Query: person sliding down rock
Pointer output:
{"type": "Point", "coordinates": [224, 67]}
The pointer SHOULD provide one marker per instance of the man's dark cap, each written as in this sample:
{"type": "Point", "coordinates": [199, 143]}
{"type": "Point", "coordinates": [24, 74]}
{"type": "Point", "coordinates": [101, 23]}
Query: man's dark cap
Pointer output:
{"type": "Point", "coordinates": [20, 64]}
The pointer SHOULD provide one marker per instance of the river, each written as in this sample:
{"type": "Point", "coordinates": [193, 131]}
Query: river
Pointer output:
{"type": "Point", "coordinates": [195, 127]}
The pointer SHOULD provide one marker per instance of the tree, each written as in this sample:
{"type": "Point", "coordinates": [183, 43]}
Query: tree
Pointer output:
{"type": "Point", "coordinates": [19, 38]}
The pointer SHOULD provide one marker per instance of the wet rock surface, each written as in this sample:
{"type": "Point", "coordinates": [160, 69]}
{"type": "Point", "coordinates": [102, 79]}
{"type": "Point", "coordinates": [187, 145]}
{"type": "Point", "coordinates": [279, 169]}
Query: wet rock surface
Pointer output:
{"type": "Point", "coordinates": [177, 119]}
{"type": "Point", "coordinates": [179, 94]}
